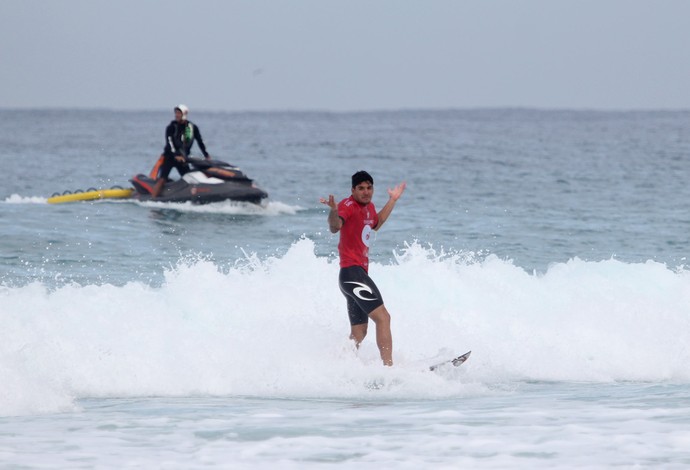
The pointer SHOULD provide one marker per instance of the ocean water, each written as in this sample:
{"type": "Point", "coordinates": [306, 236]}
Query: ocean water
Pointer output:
{"type": "Point", "coordinates": [553, 244]}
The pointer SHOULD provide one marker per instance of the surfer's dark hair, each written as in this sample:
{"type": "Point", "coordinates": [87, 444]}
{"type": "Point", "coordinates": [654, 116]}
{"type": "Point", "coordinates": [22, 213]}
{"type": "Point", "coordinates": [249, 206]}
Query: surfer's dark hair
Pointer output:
{"type": "Point", "coordinates": [360, 177]}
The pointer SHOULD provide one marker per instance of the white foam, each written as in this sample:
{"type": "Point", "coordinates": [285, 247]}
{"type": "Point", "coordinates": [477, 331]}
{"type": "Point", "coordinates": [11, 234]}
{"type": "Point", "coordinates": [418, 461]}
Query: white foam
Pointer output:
{"type": "Point", "coordinates": [267, 208]}
{"type": "Point", "coordinates": [17, 199]}
{"type": "Point", "coordinates": [270, 208]}
{"type": "Point", "coordinates": [277, 327]}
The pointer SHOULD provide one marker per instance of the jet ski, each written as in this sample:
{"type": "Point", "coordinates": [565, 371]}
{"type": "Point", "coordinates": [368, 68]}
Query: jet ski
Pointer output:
{"type": "Point", "coordinates": [208, 181]}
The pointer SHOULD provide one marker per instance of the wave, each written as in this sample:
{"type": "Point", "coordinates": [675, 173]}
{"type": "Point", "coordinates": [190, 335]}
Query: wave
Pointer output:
{"type": "Point", "coordinates": [277, 327]}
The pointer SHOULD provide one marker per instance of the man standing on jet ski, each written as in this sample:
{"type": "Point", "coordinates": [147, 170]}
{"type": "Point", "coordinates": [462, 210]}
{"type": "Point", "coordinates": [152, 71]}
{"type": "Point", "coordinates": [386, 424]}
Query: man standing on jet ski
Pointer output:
{"type": "Point", "coordinates": [179, 138]}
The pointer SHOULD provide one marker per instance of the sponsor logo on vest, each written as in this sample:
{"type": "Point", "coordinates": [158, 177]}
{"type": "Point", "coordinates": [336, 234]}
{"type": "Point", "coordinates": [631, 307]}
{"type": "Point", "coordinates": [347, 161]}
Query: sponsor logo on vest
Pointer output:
{"type": "Point", "coordinates": [366, 235]}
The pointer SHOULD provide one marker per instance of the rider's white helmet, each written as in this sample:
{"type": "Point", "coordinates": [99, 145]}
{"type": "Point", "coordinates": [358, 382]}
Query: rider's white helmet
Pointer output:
{"type": "Point", "coordinates": [183, 109]}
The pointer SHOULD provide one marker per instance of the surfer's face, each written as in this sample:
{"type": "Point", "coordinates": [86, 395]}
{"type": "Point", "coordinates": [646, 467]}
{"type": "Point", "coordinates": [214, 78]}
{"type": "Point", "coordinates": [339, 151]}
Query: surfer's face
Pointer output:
{"type": "Point", "coordinates": [178, 115]}
{"type": "Point", "coordinates": [362, 192]}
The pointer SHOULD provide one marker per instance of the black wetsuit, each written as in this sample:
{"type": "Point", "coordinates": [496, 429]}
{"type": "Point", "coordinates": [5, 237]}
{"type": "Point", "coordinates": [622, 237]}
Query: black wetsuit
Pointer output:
{"type": "Point", "coordinates": [179, 137]}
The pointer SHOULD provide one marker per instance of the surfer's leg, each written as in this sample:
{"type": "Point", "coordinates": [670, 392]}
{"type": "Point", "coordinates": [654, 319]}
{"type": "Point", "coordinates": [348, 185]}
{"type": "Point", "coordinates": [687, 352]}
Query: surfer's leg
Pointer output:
{"type": "Point", "coordinates": [384, 338]}
{"type": "Point", "coordinates": [364, 301]}
{"type": "Point", "coordinates": [358, 333]}
{"type": "Point", "coordinates": [358, 322]}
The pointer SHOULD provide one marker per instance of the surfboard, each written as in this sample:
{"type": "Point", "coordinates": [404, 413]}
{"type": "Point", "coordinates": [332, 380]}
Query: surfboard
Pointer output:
{"type": "Point", "coordinates": [456, 361]}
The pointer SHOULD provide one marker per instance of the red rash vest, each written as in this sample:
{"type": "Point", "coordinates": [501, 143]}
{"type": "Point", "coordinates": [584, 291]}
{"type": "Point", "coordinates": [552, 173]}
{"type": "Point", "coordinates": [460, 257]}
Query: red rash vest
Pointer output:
{"type": "Point", "coordinates": [358, 222]}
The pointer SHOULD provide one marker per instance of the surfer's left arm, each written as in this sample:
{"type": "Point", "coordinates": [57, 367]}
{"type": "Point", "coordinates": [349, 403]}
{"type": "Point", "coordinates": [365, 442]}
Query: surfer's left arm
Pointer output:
{"type": "Point", "coordinates": [394, 194]}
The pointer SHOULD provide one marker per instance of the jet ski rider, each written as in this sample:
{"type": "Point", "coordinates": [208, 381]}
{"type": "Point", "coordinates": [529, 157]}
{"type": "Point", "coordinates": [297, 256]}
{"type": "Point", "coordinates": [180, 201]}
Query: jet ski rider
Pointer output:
{"type": "Point", "coordinates": [179, 138]}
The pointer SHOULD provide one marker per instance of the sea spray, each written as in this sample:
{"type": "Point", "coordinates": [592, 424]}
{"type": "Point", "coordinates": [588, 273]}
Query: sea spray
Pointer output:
{"type": "Point", "coordinates": [277, 326]}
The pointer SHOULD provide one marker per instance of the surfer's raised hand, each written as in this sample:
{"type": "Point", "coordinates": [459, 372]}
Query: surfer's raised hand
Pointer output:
{"type": "Point", "coordinates": [334, 220]}
{"type": "Point", "coordinates": [330, 202]}
{"type": "Point", "coordinates": [397, 191]}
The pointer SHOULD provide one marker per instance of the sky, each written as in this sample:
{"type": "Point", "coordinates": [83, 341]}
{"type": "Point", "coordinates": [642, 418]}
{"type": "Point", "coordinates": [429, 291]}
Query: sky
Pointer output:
{"type": "Point", "coordinates": [345, 55]}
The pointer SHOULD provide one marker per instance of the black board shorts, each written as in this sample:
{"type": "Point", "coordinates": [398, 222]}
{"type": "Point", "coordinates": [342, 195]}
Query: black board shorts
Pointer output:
{"type": "Point", "coordinates": [362, 295]}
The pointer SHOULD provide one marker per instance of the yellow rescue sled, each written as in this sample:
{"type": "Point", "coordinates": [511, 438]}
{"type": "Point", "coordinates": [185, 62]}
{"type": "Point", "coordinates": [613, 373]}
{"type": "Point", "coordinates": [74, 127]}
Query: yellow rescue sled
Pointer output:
{"type": "Point", "coordinates": [90, 195]}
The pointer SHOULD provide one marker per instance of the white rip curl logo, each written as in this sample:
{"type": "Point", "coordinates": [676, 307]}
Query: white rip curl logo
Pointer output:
{"type": "Point", "coordinates": [362, 288]}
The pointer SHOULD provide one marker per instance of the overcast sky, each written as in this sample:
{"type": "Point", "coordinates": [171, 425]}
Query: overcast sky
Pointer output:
{"type": "Point", "coordinates": [345, 55]}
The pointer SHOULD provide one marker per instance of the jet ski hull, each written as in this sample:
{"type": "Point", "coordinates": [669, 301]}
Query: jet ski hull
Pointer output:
{"type": "Point", "coordinates": [182, 191]}
{"type": "Point", "coordinates": [210, 181]}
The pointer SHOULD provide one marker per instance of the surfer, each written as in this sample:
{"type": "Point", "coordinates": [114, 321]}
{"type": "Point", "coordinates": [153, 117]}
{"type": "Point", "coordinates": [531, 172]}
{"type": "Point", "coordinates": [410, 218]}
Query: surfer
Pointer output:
{"type": "Point", "coordinates": [179, 138]}
{"type": "Point", "coordinates": [355, 217]}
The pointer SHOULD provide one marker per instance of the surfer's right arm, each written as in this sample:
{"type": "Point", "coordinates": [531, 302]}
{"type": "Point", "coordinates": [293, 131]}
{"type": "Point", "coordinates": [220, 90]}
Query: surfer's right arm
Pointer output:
{"type": "Point", "coordinates": [334, 220]}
